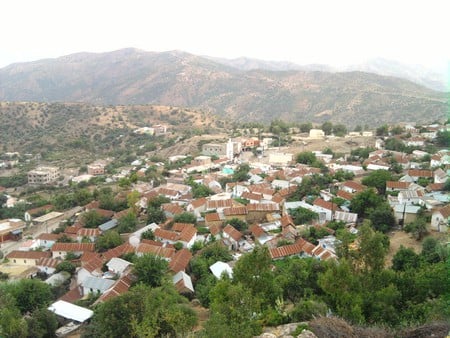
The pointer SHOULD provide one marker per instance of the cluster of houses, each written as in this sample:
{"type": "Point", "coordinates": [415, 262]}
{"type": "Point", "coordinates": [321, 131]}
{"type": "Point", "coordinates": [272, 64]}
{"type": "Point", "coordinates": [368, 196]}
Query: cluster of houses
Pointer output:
{"type": "Point", "coordinates": [260, 201]}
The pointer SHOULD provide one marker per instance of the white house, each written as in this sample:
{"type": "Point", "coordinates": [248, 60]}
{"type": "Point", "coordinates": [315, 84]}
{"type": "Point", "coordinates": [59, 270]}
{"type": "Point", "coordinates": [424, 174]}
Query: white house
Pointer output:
{"type": "Point", "coordinates": [440, 219]}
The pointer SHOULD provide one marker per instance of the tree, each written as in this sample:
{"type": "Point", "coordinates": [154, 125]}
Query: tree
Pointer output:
{"type": "Point", "coordinates": [241, 173]}
{"type": "Point", "coordinates": [306, 157]}
{"type": "Point", "coordinates": [433, 251]}
{"type": "Point", "coordinates": [418, 228]}
{"type": "Point", "coordinates": [127, 223]}
{"type": "Point", "coordinates": [303, 215]}
{"type": "Point", "coordinates": [92, 219]}
{"type": "Point", "coordinates": [382, 130]}
{"type": "Point", "coordinates": [365, 201]}
{"type": "Point", "coordinates": [339, 130]}
{"type": "Point", "coordinates": [443, 138]}
{"type": "Point", "coordinates": [155, 215]}
{"type": "Point", "coordinates": [66, 266]}
{"type": "Point", "coordinates": [185, 217]}
{"type": "Point", "coordinates": [108, 240]}
{"type": "Point", "coordinates": [148, 234]}
{"type": "Point", "coordinates": [305, 127]}
{"type": "Point", "coordinates": [132, 199]}
{"type": "Point", "coordinates": [327, 127]}
{"type": "Point", "coordinates": [30, 294]}
{"type": "Point", "coordinates": [377, 179]}
{"type": "Point", "coordinates": [404, 259]}
{"type": "Point", "coordinates": [150, 269]}
{"type": "Point", "coordinates": [238, 224]}
{"type": "Point", "coordinates": [253, 271]}
{"type": "Point", "coordinates": [382, 218]}
{"type": "Point", "coordinates": [373, 248]}
{"type": "Point", "coordinates": [42, 324]}
{"type": "Point", "coordinates": [233, 310]}
{"type": "Point", "coordinates": [12, 323]}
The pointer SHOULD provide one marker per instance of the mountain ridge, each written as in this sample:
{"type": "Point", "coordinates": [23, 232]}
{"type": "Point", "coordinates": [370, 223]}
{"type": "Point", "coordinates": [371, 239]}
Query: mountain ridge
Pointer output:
{"type": "Point", "coordinates": [133, 76]}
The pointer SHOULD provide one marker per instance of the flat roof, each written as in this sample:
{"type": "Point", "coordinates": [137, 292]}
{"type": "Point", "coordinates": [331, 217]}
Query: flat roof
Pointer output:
{"type": "Point", "coordinates": [48, 217]}
{"type": "Point", "coordinates": [70, 311]}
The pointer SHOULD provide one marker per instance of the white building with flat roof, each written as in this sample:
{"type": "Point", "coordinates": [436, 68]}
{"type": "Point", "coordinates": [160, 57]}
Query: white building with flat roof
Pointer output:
{"type": "Point", "coordinates": [43, 175]}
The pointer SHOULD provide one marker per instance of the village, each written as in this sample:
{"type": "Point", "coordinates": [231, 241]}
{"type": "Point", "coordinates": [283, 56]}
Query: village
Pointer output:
{"type": "Point", "coordinates": [244, 193]}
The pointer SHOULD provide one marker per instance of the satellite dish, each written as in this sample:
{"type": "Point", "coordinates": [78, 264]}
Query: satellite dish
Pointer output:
{"type": "Point", "coordinates": [27, 217]}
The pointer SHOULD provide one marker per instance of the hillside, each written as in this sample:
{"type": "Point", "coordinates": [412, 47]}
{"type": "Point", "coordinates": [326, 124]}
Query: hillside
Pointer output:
{"type": "Point", "coordinates": [176, 78]}
{"type": "Point", "coordinates": [60, 127]}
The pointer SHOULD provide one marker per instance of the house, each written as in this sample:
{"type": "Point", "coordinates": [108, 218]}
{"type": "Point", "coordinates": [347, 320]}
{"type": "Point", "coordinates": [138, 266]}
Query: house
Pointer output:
{"type": "Point", "coordinates": [91, 234]}
{"type": "Point", "coordinates": [259, 234]}
{"type": "Point", "coordinates": [117, 266]}
{"type": "Point", "coordinates": [11, 229]}
{"type": "Point", "coordinates": [415, 174]}
{"type": "Point", "coordinates": [232, 235]}
{"type": "Point", "coordinates": [316, 134]}
{"type": "Point", "coordinates": [171, 209]}
{"type": "Point", "coordinates": [397, 186]}
{"type": "Point", "coordinates": [252, 197]}
{"type": "Point", "coordinates": [197, 206]}
{"type": "Point", "coordinates": [328, 208]}
{"type": "Point", "coordinates": [346, 217]}
{"type": "Point", "coordinates": [300, 248]}
{"type": "Point", "coordinates": [180, 260]}
{"type": "Point", "coordinates": [96, 285]}
{"type": "Point", "coordinates": [70, 311]}
{"type": "Point", "coordinates": [219, 268]}
{"type": "Point", "coordinates": [440, 219]}
{"type": "Point", "coordinates": [235, 212]}
{"type": "Point", "coordinates": [46, 241]}
{"type": "Point", "coordinates": [440, 176]}
{"type": "Point", "coordinates": [352, 187]}
{"type": "Point", "coordinates": [26, 257]}
{"type": "Point", "coordinates": [60, 250]}
{"type": "Point", "coordinates": [47, 265]}
{"type": "Point", "coordinates": [257, 212]}
{"type": "Point", "coordinates": [411, 197]}
{"type": "Point", "coordinates": [119, 288]}
{"type": "Point", "coordinates": [183, 282]}
{"type": "Point", "coordinates": [213, 219]}
{"type": "Point", "coordinates": [405, 213]}
{"type": "Point", "coordinates": [43, 175]}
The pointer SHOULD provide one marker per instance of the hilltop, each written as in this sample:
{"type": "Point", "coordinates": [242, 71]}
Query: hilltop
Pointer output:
{"type": "Point", "coordinates": [131, 77]}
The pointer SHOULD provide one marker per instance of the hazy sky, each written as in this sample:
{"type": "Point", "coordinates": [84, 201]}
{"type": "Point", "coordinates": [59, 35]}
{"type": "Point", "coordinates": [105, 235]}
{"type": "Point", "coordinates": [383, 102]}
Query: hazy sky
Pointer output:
{"type": "Point", "coordinates": [336, 32]}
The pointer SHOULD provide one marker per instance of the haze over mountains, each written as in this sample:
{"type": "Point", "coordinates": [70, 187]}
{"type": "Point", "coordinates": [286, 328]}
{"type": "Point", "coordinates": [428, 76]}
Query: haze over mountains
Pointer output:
{"type": "Point", "coordinates": [241, 89]}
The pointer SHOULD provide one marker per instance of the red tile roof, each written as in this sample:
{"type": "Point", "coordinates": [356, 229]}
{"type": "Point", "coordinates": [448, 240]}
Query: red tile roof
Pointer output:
{"type": "Point", "coordinates": [198, 202]}
{"type": "Point", "coordinates": [118, 251]}
{"type": "Point", "coordinates": [122, 285]}
{"type": "Point", "coordinates": [235, 211]}
{"type": "Point", "coordinates": [325, 204]}
{"type": "Point", "coordinates": [256, 230]}
{"type": "Point", "coordinates": [215, 229]}
{"type": "Point", "coordinates": [420, 173]}
{"type": "Point", "coordinates": [354, 186]}
{"type": "Point", "coordinates": [166, 234]}
{"type": "Point", "coordinates": [172, 208]}
{"type": "Point", "coordinates": [232, 232]}
{"type": "Point", "coordinates": [252, 196]}
{"type": "Point", "coordinates": [180, 260]}
{"type": "Point", "coordinates": [445, 211]}
{"type": "Point", "coordinates": [161, 251]}
{"type": "Point", "coordinates": [48, 262]}
{"type": "Point", "coordinates": [49, 237]}
{"type": "Point", "coordinates": [73, 295]}
{"type": "Point", "coordinates": [215, 204]}
{"type": "Point", "coordinates": [28, 254]}
{"type": "Point", "coordinates": [212, 217]}
{"type": "Point", "coordinates": [73, 247]}
{"type": "Point", "coordinates": [88, 232]}
{"type": "Point", "coordinates": [286, 220]}
{"type": "Point", "coordinates": [267, 207]}
{"type": "Point", "coordinates": [292, 249]}
{"type": "Point", "coordinates": [345, 195]}
{"type": "Point", "coordinates": [397, 185]}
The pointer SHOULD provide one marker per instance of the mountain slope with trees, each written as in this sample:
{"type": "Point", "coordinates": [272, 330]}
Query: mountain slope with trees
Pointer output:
{"type": "Point", "coordinates": [176, 78]}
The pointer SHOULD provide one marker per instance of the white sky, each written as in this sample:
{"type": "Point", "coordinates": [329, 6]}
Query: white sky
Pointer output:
{"type": "Point", "coordinates": [336, 32]}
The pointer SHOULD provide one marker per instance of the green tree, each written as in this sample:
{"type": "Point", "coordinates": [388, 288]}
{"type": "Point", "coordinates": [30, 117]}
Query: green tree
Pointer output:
{"type": "Point", "coordinates": [108, 240]}
{"type": "Point", "coordinates": [66, 266]}
{"type": "Point", "coordinates": [306, 157]}
{"type": "Point", "coordinates": [253, 271]}
{"type": "Point", "coordinates": [30, 294]}
{"type": "Point", "coordinates": [365, 201]}
{"type": "Point", "coordinates": [241, 173]}
{"type": "Point", "coordinates": [404, 259]}
{"type": "Point", "coordinates": [233, 310]}
{"type": "Point", "coordinates": [327, 127]}
{"type": "Point", "coordinates": [377, 179]}
{"type": "Point", "coordinates": [185, 217]}
{"type": "Point", "coordinates": [443, 138]}
{"type": "Point", "coordinates": [155, 215]}
{"type": "Point", "coordinates": [92, 219]}
{"type": "Point", "coordinates": [382, 218]}
{"type": "Point", "coordinates": [238, 224]}
{"type": "Point", "coordinates": [339, 130]}
{"type": "Point", "coordinates": [150, 270]}
{"type": "Point", "coordinates": [373, 248]}
{"type": "Point", "coordinates": [303, 215]}
{"type": "Point", "coordinates": [42, 324]}
{"type": "Point", "coordinates": [382, 130]}
{"type": "Point", "coordinates": [12, 324]}
{"type": "Point", "coordinates": [127, 223]}
{"type": "Point", "coordinates": [132, 199]}
{"type": "Point", "coordinates": [148, 235]}
{"type": "Point", "coordinates": [418, 228]}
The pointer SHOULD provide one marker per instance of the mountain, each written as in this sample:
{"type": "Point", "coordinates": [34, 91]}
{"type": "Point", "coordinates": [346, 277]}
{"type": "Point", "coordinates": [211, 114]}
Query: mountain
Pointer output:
{"type": "Point", "coordinates": [415, 73]}
{"type": "Point", "coordinates": [176, 78]}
